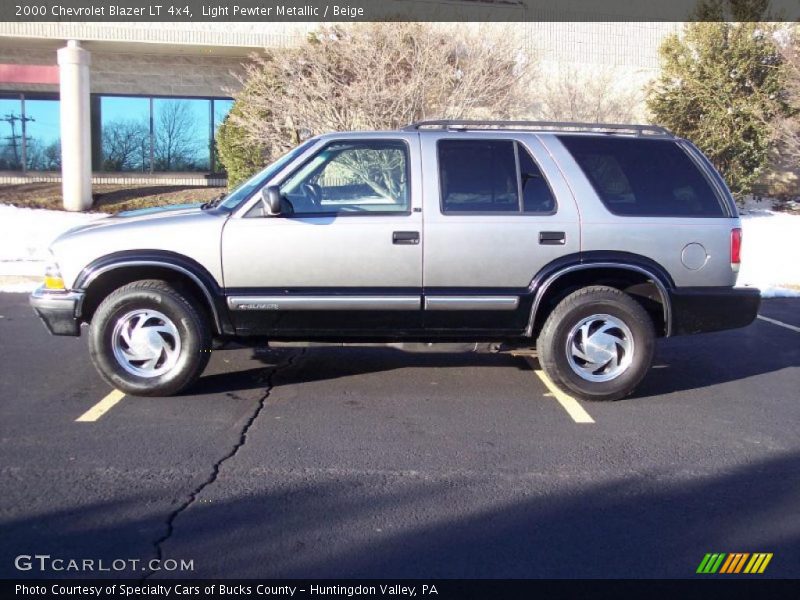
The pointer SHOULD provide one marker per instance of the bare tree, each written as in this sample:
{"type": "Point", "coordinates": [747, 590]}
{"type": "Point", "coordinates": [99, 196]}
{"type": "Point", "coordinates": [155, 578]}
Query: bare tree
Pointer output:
{"type": "Point", "coordinates": [593, 97]}
{"type": "Point", "coordinates": [174, 146]}
{"type": "Point", "coordinates": [43, 157]}
{"type": "Point", "coordinates": [122, 145]}
{"type": "Point", "coordinates": [379, 76]}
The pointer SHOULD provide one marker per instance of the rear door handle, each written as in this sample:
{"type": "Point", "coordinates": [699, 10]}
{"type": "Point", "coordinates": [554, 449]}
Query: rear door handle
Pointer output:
{"type": "Point", "coordinates": [405, 237]}
{"type": "Point", "coordinates": [552, 238]}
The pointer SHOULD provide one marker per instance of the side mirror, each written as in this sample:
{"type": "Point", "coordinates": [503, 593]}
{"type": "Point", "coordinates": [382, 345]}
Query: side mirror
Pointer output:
{"type": "Point", "coordinates": [271, 200]}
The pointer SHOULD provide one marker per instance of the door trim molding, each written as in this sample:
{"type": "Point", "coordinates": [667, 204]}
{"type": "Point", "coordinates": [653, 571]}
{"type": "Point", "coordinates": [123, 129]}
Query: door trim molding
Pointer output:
{"type": "Point", "coordinates": [471, 302]}
{"type": "Point", "coordinates": [278, 303]}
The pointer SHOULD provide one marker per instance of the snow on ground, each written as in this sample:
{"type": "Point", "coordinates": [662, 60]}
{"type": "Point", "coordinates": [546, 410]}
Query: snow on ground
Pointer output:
{"type": "Point", "coordinates": [25, 234]}
{"type": "Point", "coordinates": [770, 251]}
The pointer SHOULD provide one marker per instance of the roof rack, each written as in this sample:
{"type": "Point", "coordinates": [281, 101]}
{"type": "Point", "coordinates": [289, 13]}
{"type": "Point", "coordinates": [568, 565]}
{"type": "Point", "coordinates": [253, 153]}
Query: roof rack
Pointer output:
{"type": "Point", "coordinates": [465, 125]}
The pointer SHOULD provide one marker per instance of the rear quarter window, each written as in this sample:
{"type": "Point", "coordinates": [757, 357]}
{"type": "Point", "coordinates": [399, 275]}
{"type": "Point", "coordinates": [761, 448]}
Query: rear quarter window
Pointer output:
{"type": "Point", "coordinates": [641, 177]}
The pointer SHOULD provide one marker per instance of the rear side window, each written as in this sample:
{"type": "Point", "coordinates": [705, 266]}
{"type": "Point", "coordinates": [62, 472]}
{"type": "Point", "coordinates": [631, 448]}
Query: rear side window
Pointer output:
{"type": "Point", "coordinates": [491, 176]}
{"type": "Point", "coordinates": [636, 177]}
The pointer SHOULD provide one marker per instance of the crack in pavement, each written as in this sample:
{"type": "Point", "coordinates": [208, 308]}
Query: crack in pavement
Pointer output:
{"type": "Point", "coordinates": [215, 469]}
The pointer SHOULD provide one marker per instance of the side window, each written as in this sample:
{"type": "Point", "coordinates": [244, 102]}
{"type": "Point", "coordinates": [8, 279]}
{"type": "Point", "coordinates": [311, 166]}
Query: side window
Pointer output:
{"type": "Point", "coordinates": [640, 177]}
{"type": "Point", "coordinates": [536, 194]}
{"type": "Point", "coordinates": [490, 176]}
{"type": "Point", "coordinates": [351, 177]}
{"type": "Point", "coordinates": [478, 176]}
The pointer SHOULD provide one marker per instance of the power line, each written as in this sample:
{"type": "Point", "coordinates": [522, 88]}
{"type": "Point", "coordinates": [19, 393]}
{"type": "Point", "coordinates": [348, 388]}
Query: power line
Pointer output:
{"type": "Point", "coordinates": [12, 119]}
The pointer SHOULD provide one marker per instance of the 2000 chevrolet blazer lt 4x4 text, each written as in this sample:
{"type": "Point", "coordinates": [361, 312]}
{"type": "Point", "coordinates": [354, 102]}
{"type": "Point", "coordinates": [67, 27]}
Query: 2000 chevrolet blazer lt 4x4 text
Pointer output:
{"type": "Point", "coordinates": [588, 241]}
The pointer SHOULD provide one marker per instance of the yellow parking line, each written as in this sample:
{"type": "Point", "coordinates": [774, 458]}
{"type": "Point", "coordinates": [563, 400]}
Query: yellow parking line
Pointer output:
{"type": "Point", "coordinates": [101, 408]}
{"type": "Point", "coordinates": [568, 403]}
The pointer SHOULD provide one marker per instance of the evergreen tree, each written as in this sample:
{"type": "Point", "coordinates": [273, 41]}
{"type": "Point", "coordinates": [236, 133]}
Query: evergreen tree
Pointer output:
{"type": "Point", "coordinates": [721, 87]}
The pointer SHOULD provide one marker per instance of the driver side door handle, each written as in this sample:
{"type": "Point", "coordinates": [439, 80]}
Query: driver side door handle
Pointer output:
{"type": "Point", "coordinates": [410, 238]}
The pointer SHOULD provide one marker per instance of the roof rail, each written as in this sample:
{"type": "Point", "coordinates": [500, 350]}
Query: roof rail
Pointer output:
{"type": "Point", "coordinates": [463, 125]}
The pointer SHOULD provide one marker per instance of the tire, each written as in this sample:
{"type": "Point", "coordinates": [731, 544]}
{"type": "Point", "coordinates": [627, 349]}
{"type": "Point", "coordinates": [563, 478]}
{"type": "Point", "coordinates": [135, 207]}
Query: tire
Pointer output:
{"type": "Point", "coordinates": [148, 339]}
{"type": "Point", "coordinates": [619, 358]}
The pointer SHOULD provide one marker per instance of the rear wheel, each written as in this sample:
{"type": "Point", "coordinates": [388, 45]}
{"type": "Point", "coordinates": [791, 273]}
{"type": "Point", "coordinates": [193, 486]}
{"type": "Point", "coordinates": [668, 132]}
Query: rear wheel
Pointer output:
{"type": "Point", "coordinates": [597, 344]}
{"type": "Point", "coordinates": [148, 339]}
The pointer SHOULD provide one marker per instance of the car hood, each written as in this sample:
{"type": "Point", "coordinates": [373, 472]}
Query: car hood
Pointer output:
{"type": "Point", "coordinates": [128, 217]}
{"type": "Point", "coordinates": [187, 230]}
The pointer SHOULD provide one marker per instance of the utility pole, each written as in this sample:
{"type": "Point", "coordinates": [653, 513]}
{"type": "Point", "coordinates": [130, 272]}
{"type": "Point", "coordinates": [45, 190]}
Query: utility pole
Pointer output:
{"type": "Point", "coordinates": [14, 138]}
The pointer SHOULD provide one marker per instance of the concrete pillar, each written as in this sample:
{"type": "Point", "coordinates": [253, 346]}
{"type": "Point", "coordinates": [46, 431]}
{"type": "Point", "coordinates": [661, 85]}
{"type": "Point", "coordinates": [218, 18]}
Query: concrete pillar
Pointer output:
{"type": "Point", "coordinates": [76, 154]}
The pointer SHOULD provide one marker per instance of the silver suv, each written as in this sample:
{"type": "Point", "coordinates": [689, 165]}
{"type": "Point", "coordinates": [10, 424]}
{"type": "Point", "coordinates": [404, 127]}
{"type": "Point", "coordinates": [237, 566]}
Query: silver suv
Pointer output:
{"type": "Point", "coordinates": [588, 241]}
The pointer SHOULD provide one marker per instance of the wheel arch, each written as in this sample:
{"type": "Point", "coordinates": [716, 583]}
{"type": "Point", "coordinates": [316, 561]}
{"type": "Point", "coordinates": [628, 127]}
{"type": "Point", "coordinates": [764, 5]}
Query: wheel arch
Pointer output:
{"type": "Point", "coordinates": [110, 272]}
{"type": "Point", "coordinates": [643, 278]}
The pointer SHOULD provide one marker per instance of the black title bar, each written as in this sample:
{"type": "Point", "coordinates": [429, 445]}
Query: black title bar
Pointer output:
{"type": "Point", "coordinates": [707, 588]}
{"type": "Point", "coordinates": [187, 11]}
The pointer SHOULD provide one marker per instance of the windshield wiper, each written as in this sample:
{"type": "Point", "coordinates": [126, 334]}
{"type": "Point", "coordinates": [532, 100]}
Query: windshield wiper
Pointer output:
{"type": "Point", "coordinates": [214, 203]}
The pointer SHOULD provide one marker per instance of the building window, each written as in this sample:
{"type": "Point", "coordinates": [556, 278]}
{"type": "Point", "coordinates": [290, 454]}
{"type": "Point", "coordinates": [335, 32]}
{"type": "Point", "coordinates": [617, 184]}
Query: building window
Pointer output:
{"type": "Point", "coordinates": [43, 135]}
{"type": "Point", "coordinates": [221, 108]}
{"type": "Point", "coordinates": [29, 133]}
{"type": "Point", "coordinates": [125, 134]}
{"type": "Point", "coordinates": [159, 134]}
{"type": "Point", "coordinates": [182, 134]}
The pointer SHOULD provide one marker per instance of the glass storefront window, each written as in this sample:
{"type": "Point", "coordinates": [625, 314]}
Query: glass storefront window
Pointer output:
{"type": "Point", "coordinates": [129, 133]}
{"type": "Point", "coordinates": [10, 134]}
{"type": "Point", "coordinates": [159, 134]}
{"type": "Point", "coordinates": [125, 133]}
{"type": "Point", "coordinates": [42, 135]}
{"type": "Point", "coordinates": [221, 109]}
{"type": "Point", "coordinates": [181, 134]}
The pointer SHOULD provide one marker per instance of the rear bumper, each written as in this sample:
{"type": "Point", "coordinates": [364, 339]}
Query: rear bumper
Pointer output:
{"type": "Point", "coordinates": [703, 309]}
{"type": "Point", "coordinates": [59, 311]}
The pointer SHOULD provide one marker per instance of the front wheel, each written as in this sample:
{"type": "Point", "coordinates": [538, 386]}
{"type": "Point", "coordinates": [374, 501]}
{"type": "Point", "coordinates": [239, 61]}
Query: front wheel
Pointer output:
{"type": "Point", "coordinates": [597, 344]}
{"type": "Point", "coordinates": [148, 339]}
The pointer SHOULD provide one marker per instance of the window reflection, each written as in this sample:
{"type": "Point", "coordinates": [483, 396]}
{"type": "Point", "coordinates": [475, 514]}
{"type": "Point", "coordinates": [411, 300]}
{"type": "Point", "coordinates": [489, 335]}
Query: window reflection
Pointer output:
{"type": "Point", "coordinates": [42, 135]}
{"type": "Point", "coordinates": [135, 134]}
{"type": "Point", "coordinates": [125, 125]}
{"type": "Point", "coordinates": [182, 134]}
{"type": "Point", "coordinates": [10, 134]}
{"type": "Point", "coordinates": [221, 109]}
{"type": "Point", "coordinates": [160, 134]}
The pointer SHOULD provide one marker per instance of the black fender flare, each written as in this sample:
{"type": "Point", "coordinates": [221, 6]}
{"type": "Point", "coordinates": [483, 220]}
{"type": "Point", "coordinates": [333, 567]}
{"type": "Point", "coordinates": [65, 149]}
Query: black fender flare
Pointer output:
{"type": "Point", "coordinates": [164, 259]}
{"type": "Point", "coordinates": [603, 259]}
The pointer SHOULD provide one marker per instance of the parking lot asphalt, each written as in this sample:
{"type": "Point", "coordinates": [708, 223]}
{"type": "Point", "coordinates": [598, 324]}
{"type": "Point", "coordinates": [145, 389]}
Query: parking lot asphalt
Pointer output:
{"type": "Point", "coordinates": [373, 462]}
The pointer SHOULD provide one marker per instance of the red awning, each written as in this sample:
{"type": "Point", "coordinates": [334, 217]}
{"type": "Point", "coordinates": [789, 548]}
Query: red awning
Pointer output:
{"type": "Point", "coordinates": [29, 74]}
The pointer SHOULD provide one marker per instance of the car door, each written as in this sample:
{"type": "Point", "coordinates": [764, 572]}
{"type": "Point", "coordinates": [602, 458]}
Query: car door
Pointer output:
{"type": "Point", "coordinates": [344, 256]}
{"type": "Point", "coordinates": [497, 210]}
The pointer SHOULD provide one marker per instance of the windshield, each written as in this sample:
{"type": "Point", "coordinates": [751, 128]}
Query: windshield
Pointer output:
{"type": "Point", "coordinates": [247, 188]}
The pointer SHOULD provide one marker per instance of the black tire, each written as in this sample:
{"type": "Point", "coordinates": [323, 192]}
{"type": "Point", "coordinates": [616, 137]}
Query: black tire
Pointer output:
{"type": "Point", "coordinates": [189, 358]}
{"type": "Point", "coordinates": [552, 344]}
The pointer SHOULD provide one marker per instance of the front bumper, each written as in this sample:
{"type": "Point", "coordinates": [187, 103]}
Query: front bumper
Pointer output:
{"type": "Point", "coordinates": [59, 311]}
{"type": "Point", "coordinates": [704, 309]}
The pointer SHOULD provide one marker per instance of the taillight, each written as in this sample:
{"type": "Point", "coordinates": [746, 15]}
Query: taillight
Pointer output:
{"type": "Point", "coordinates": [736, 248]}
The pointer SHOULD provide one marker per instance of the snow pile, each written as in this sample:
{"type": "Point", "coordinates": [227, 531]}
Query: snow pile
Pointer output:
{"type": "Point", "coordinates": [770, 250]}
{"type": "Point", "coordinates": [25, 234]}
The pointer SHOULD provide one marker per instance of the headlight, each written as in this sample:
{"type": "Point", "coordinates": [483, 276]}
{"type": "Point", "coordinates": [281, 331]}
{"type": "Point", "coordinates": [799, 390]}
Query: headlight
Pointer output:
{"type": "Point", "coordinates": [52, 277]}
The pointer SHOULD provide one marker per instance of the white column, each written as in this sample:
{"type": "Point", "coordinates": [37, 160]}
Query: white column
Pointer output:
{"type": "Point", "coordinates": [76, 152]}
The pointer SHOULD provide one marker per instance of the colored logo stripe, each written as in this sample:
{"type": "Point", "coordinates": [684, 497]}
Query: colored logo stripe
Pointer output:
{"type": "Point", "coordinates": [710, 563]}
{"type": "Point", "coordinates": [758, 563]}
{"type": "Point", "coordinates": [734, 562]}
